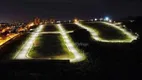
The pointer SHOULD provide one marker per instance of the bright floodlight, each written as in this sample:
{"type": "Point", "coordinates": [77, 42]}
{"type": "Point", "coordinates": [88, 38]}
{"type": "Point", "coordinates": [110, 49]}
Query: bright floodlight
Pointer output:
{"type": "Point", "coordinates": [96, 19]}
{"type": "Point", "coordinates": [75, 20]}
{"type": "Point", "coordinates": [106, 19]}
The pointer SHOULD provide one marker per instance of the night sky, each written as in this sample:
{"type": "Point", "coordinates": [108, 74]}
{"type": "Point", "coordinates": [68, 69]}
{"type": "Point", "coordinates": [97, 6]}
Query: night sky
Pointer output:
{"type": "Point", "coordinates": [25, 10]}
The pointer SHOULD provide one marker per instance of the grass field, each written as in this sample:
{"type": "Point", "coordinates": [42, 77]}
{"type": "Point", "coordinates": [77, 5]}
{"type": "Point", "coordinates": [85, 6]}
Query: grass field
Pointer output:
{"type": "Point", "coordinates": [50, 27]}
{"type": "Point", "coordinates": [107, 32]}
{"type": "Point", "coordinates": [70, 27]}
{"type": "Point", "coordinates": [49, 47]}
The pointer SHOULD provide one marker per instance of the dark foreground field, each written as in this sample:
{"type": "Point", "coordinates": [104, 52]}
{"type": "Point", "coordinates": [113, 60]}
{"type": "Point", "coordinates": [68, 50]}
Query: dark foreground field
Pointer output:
{"type": "Point", "coordinates": [50, 27]}
{"type": "Point", "coordinates": [70, 27]}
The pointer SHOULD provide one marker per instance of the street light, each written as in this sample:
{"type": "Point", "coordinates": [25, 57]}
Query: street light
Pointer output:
{"type": "Point", "coordinates": [101, 19]}
{"type": "Point", "coordinates": [96, 19]}
{"type": "Point", "coordinates": [75, 20]}
{"type": "Point", "coordinates": [107, 19]}
{"type": "Point", "coordinates": [110, 21]}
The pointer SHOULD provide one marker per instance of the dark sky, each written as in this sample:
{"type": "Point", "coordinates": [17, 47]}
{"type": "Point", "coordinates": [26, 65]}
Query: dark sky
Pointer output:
{"type": "Point", "coordinates": [25, 10]}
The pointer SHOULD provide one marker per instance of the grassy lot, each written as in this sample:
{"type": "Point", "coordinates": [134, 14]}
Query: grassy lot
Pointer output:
{"type": "Point", "coordinates": [107, 32]}
{"type": "Point", "coordinates": [70, 27]}
{"type": "Point", "coordinates": [49, 46]}
{"type": "Point", "coordinates": [50, 27]}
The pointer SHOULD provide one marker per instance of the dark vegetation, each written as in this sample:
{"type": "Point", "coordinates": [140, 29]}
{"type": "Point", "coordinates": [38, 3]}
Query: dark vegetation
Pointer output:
{"type": "Point", "coordinates": [50, 27]}
{"type": "Point", "coordinates": [70, 27]}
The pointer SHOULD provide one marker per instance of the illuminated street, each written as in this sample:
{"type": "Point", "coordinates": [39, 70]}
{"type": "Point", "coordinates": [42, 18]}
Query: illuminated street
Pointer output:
{"type": "Point", "coordinates": [95, 33]}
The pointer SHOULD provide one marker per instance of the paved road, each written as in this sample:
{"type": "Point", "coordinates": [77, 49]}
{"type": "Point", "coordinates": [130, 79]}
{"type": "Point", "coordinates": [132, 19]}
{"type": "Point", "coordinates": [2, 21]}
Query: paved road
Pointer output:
{"type": "Point", "coordinates": [96, 33]}
{"type": "Point", "coordinates": [23, 52]}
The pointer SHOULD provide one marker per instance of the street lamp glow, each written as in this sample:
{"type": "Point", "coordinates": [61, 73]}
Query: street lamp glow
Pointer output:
{"type": "Point", "coordinates": [96, 19]}
{"type": "Point", "coordinates": [106, 19]}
